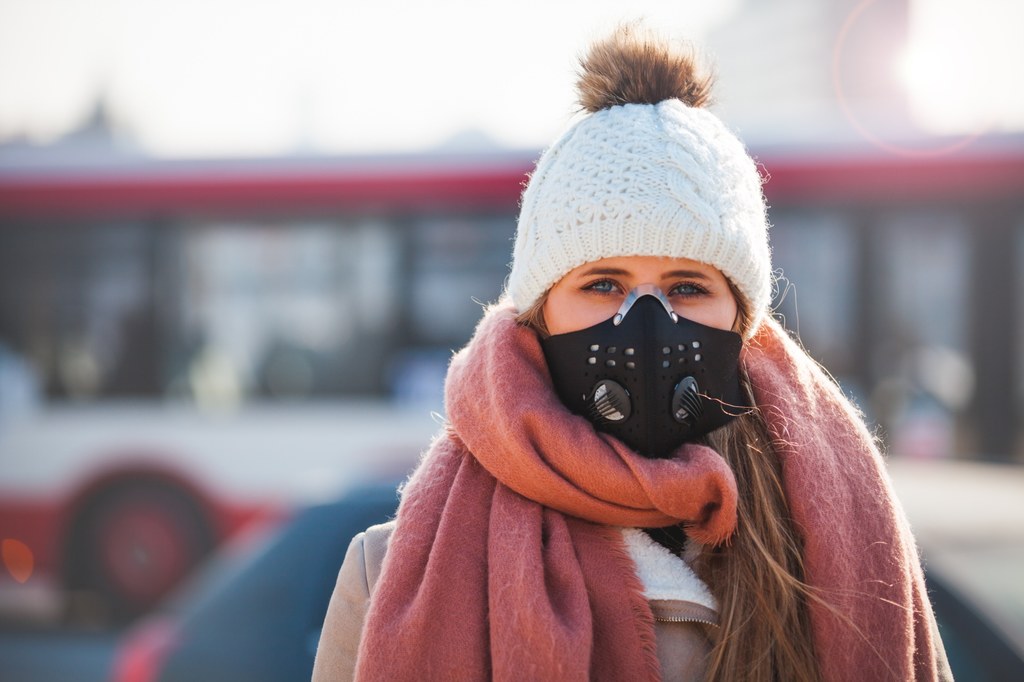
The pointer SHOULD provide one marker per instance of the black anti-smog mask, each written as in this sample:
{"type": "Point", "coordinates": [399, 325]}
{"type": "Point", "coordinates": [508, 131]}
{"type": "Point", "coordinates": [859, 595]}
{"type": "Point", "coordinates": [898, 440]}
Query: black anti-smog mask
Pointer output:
{"type": "Point", "coordinates": [647, 376]}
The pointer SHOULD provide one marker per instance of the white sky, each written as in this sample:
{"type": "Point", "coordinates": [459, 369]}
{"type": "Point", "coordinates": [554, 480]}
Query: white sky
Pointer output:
{"type": "Point", "coordinates": [222, 77]}
{"type": "Point", "coordinates": [261, 77]}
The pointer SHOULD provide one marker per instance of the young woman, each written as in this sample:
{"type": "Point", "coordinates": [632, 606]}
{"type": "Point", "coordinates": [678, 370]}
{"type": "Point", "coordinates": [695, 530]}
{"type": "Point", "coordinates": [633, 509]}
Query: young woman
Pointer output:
{"type": "Point", "coordinates": [642, 476]}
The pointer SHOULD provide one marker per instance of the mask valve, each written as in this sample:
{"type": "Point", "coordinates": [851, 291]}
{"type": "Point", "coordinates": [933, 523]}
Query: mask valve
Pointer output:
{"type": "Point", "coordinates": [687, 405]}
{"type": "Point", "coordinates": [609, 402]}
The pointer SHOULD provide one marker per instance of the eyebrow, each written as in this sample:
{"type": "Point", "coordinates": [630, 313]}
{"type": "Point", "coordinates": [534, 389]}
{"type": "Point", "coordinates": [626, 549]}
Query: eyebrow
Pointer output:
{"type": "Point", "coordinates": [697, 274]}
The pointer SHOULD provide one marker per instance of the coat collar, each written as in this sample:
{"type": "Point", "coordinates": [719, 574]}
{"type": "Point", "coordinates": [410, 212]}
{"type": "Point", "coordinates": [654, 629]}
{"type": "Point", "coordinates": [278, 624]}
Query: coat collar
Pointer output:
{"type": "Point", "coordinates": [664, 575]}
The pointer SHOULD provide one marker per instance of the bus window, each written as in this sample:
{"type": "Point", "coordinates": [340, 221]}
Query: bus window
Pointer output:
{"type": "Point", "coordinates": [925, 261]}
{"type": "Point", "coordinates": [458, 263]}
{"type": "Point", "coordinates": [920, 358]}
{"type": "Point", "coordinates": [76, 302]}
{"type": "Point", "coordinates": [1019, 355]}
{"type": "Point", "coordinates": [817, 258]}
{"type": "Point", "coordinates": [290, 309]}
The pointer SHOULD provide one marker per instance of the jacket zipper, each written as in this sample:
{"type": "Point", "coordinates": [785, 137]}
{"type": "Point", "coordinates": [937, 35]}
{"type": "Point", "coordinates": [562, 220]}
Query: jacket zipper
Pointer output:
{"type": "Point", "coordinates": [684, 619]}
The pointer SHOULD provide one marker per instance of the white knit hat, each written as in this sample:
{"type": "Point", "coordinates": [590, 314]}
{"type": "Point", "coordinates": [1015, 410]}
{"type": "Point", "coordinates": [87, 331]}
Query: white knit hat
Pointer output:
{"type": "Point", "coordinates": [660, 179]}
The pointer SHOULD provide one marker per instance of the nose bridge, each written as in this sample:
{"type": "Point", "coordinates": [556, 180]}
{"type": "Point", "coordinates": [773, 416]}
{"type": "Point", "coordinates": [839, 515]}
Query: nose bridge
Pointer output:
{"type": "Point", "coordinates": [639, 292]}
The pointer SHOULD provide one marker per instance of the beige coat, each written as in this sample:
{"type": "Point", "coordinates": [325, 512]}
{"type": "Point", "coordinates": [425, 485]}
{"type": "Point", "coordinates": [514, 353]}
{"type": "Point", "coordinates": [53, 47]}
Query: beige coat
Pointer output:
{"type": "Point", "coordinates": [682, 627]}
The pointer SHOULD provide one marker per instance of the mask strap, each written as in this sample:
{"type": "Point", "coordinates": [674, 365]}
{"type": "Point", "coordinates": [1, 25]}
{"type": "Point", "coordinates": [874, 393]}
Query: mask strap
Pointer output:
{"type": "Point", "coordinates": [635, 295]}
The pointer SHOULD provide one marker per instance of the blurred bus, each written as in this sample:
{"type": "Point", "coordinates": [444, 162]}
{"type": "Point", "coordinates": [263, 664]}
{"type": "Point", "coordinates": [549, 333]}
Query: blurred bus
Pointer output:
{"type": "Point", "coordinates": [186, 347]}
{"type": "Point", "coordinates": [191, 346]}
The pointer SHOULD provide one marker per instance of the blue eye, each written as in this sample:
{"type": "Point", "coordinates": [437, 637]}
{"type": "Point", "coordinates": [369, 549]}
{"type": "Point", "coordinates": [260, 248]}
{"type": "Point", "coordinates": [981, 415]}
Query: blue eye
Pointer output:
{"type": "Point", "coordinates": [688, 289]}
{"type": "Point", "coordinates": [601, 286]}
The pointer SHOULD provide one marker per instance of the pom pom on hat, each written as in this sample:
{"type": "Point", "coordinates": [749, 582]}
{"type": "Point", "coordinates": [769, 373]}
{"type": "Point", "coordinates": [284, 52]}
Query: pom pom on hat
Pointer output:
{"type": "Point", "coordinates": [647, 173]}
{"type": "Point", "coordinates": [627, 68]}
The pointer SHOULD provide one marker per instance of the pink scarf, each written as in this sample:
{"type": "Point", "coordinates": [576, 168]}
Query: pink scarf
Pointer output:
{"type": "Point", "coordinates": [505, 563]}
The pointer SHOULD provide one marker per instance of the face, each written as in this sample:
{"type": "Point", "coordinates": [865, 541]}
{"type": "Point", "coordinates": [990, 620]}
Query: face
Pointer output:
{"type": "Point", "coordinates": [593, 292]}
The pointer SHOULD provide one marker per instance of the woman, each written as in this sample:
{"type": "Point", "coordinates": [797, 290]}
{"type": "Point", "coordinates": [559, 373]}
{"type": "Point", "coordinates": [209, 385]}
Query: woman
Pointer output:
{"type": "Point", "coordinates": [642, 476]}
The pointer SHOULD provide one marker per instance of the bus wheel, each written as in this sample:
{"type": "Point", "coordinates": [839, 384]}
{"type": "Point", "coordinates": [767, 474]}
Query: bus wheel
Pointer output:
{"type": "Point", "coordinates": [133, 544]}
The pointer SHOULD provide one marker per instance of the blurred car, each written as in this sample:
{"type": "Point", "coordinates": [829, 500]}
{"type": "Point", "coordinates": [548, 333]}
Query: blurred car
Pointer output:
{"type": "Point", "coordinates": [256, 611]}
{"type": "Point", "coordinates": [256, 614]}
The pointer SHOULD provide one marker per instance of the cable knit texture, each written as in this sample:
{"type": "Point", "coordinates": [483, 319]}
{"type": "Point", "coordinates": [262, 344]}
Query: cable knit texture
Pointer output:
{"type": "Point", "coordinates": [644, 180]}
{"type": "Point", "coordinates": [505, 563]}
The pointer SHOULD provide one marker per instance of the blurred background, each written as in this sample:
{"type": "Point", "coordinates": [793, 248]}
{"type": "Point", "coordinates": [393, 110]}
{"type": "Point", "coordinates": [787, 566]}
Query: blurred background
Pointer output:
{"type": "Point", "coordinates": [240, 240]}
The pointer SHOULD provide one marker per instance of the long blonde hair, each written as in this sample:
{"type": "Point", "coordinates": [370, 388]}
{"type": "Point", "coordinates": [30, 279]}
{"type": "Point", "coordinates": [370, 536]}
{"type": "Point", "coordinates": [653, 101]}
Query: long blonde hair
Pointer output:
{"type": "Point", "coordinates": [764, 632]}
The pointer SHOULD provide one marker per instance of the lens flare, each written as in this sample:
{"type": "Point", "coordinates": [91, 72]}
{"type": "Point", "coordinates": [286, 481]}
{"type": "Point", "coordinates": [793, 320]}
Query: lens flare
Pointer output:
{"type": "Point", "coordinates": [911, 67]}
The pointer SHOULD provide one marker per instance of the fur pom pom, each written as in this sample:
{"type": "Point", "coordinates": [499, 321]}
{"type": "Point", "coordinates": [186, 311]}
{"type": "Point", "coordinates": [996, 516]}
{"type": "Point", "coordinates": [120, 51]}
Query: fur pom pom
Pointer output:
{"type": "Point", "coordinates": [633, 65]}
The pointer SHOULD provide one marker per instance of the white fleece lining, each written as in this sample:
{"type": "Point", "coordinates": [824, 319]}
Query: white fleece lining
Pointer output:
{"type": "Point", "coordinates": [663, 574]}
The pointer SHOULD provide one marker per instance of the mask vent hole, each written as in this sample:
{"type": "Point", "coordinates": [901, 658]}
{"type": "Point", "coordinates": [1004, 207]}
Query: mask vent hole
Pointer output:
{"type": "Point", "coordinates": [696, 344]}
{"type": "Point", "coordinates": [591, 361]}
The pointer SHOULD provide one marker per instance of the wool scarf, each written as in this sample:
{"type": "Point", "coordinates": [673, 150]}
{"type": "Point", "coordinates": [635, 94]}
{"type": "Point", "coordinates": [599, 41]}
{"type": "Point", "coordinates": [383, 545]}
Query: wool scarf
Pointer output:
{"type": "Point", "coordinates": [506, 562]}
